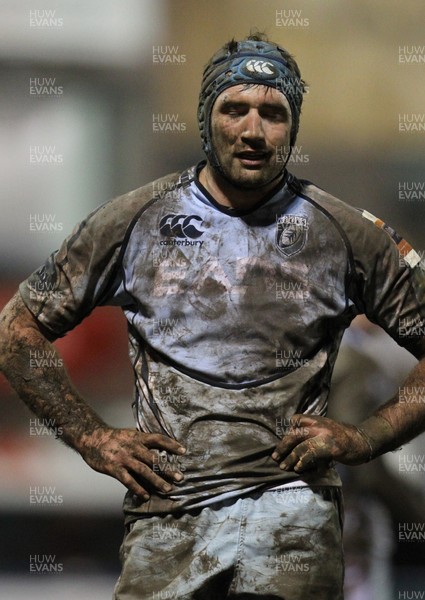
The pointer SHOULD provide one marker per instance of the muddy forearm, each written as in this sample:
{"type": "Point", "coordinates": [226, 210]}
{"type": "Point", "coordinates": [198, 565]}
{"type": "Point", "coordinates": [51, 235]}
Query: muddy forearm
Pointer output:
{"type": "Point", "coordinates": [35, 370]}
{"type": "Point", "coordinates": [401, 419]}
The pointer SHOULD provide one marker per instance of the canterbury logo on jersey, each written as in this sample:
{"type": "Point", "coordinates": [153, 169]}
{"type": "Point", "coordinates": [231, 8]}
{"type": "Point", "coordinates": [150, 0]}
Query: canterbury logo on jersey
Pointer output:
{"type": "Point", "coordinates": [183, 227]}
{"type": "Point", "coordinates": [261, 68]}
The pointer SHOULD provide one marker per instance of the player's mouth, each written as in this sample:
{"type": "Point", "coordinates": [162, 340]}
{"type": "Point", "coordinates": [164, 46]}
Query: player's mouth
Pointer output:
{"type": "Point", "coordinates": [252, 158]}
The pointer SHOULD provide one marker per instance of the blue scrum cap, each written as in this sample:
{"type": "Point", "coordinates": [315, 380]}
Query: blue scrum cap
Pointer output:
{"type": "Point", "coordinates": [252, 62]}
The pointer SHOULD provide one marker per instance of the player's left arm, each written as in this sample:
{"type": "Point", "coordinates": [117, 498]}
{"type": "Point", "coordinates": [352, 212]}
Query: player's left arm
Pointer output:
{"type": "Point", "coordinates": [313, 440]}
{"type": "Point", "coordinates": [388, 285]}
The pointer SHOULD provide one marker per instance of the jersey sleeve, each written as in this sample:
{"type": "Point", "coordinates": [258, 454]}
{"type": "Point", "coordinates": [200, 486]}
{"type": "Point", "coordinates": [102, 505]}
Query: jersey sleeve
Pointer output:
{"type": "Point", "coordinates": [389, 280]}
{"type": "Point", "coordinates": [84, 272]}
{"type": "Point", "coordinates": [386, 279]}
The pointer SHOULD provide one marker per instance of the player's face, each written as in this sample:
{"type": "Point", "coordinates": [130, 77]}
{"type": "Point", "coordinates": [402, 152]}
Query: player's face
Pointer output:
{"type": "Point", "coordinates": [250, 129]}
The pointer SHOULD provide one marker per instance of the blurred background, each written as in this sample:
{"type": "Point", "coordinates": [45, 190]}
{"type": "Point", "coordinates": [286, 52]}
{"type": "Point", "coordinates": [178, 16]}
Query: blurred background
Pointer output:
{"type": "Point", "coordinates": [84, 86]}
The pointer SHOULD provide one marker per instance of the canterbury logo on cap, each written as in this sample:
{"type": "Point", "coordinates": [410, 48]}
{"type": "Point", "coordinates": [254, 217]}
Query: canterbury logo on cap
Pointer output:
{"type": "Point", "coordinates": [261, 68]}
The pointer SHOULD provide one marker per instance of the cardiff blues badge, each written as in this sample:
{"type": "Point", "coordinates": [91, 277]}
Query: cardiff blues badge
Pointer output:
{"type": "Point", "coordinates": [291, 234]}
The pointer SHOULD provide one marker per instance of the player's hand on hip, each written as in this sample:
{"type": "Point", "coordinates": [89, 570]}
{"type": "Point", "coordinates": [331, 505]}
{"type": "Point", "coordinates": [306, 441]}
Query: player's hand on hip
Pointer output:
{"type": "Point", "coordinates": [140, 461]}
{"type": "Point", "coordinates": [313, 442]}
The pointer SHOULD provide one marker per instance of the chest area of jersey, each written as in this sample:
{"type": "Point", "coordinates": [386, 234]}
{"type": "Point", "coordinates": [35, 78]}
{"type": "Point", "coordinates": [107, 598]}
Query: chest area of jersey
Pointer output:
{"type": "Point", "coordinates": [290, 257]}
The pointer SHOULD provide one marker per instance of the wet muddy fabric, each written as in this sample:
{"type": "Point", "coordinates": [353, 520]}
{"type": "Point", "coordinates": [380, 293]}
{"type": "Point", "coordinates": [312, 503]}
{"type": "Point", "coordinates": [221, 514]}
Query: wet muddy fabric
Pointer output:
{"type": "Point", "coordinates": [283, 544]}
{"type": "Point", "coordinates": [234, 317]}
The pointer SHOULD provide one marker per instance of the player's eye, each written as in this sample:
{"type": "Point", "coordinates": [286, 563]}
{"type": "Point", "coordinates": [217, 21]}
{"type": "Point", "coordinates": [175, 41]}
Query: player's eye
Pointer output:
{"type": "Point", "coordinates": [277, 116]}
{"type": "Point", "coordinates": [234, 110]}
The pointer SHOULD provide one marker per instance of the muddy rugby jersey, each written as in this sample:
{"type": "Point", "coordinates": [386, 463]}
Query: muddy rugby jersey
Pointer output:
{"type": "Point", "coordinates": [234, 317]}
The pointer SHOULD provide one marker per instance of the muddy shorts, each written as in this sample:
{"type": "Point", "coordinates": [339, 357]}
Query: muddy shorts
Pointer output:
{"type": "Point", "coordinates": [280, 544]}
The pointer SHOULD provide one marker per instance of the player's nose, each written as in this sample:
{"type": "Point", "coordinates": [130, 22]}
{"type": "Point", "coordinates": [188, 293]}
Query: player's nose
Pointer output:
{"type": "Point", "coordinates": [252, 125]}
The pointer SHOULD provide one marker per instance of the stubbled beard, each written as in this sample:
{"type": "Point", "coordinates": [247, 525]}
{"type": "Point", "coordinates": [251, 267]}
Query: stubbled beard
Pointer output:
{"type": "Point", "coordinates": [246, 184]}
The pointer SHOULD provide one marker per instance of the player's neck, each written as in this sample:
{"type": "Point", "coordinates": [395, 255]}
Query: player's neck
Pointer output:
{"type": "Point", "coordinates": [228, 195]}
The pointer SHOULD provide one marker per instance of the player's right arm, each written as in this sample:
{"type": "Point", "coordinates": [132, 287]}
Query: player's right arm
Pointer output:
{"type": "Point", "coordinates": [125, 454]}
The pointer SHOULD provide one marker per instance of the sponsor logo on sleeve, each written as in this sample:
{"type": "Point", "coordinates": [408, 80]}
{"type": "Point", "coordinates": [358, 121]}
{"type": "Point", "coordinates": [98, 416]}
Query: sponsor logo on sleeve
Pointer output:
{"type": "Point", "coordinates": [407, 253]}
